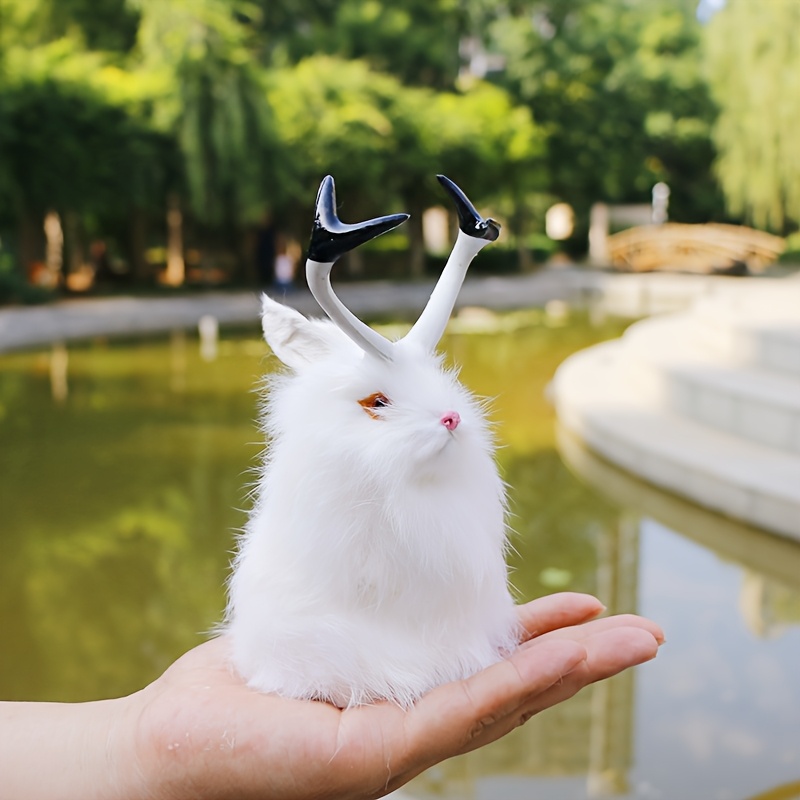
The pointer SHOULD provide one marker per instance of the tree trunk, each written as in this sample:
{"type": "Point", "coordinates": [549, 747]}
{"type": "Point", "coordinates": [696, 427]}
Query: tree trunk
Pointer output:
{"type": "Point", "coordinates": [74, 246]}
{"type": "Point", "coordinates": [416, 240]}
{"type": "Point", "coordinates": [354, 262]}
{"type": "Point", "coordinates": [30, 244]}
{"type": "Point", "coordinates": [245, 269]}
{"type": "Point", "coordinates": [137, 238]}
{"type": "Point", "coordinates": [54, 251]}
{"type": "Point", "coordinates": [518, 228]}
{"type": "Point", "coordinates": [176, 267]}
{"type": "Point", "coordinates": [524, 257]}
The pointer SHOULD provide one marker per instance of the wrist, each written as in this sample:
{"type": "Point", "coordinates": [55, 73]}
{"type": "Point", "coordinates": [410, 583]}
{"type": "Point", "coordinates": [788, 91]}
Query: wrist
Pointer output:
{"type": "Point", "coordinates": [59, 750]}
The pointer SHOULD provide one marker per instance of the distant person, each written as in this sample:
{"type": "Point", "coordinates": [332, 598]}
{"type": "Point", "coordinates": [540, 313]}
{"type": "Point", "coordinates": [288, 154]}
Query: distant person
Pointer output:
{"type": "Point", "coordinates": [288, 253]}
{"type": "Point", "coordinates": [101, 264]}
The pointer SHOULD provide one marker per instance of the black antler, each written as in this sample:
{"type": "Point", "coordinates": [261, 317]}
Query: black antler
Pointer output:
{"type": "Point", "coordinates": [332, 238]}
{"type": "Point", "coordinates": [469, 220]}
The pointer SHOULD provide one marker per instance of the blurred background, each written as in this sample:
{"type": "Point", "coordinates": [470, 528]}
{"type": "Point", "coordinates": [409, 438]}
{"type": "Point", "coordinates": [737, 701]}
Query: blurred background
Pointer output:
{"type": "Point", "coordinates": [172, 142]}
{"type": "Point", "coordinates": [644, 159]}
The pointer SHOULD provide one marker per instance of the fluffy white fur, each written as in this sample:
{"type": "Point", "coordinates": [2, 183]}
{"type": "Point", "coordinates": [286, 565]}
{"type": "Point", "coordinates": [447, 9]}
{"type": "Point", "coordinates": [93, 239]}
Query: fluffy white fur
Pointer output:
{"type": "Point", "coordinates": [372, 566]}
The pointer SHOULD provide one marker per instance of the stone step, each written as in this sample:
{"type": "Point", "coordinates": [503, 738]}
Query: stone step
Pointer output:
{"type": "Point", "coordinates": [716, 334]}
{"type": "Point", "coordinates": [757, 405]}
{"type": "Point", "coordinates": [671, 365]}
{"type": "Point", "coordinates": [773, 348]}
{"type": "Point", "coordinates": [597, 398]}
{"type": "Point", "coordinates": [757, 323]}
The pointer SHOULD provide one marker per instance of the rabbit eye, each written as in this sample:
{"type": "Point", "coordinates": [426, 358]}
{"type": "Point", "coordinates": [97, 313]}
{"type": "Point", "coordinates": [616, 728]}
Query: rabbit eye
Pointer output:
{"type": "Point", "coordinates": [374, 401]}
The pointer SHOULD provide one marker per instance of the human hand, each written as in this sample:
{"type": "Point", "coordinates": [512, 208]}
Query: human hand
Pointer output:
{"type": "Point", "coordinates": [199, 732]}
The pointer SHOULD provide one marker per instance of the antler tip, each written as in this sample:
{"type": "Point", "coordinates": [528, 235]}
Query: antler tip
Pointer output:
{"type": "Point", "coordinates": [469, 220]}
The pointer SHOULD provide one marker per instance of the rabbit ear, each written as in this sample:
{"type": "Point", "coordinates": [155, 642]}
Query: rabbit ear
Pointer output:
{"type": "Point", "coordinates": [295, 340]}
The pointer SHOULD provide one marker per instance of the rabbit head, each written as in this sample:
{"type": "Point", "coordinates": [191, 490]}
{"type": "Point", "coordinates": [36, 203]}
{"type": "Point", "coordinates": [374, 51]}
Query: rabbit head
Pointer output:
{"type": "Point", "coordinates": [406, 419]}
{"type": "Point", "coordinates": [391, 407]}
{"type": "Point", "coordinates": [372, 565]}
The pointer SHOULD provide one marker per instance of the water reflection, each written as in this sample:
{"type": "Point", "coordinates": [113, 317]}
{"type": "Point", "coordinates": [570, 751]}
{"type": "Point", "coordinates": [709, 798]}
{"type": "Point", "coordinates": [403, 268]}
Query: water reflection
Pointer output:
{"type": "Point", "coordinates": [769, 599]}
{"type": "Point", "coordinates": [119, 498]}
{"type": "Point", "coordinates": [59, 365]}
{"type": "Point", "coordinates": [208, 328]}
{"type": "Point", "coordinates": [118, 507]}
{"type": "Point", "coordinates": [717, 714]}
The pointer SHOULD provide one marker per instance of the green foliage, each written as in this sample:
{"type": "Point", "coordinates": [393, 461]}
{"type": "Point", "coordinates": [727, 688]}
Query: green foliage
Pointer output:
{"type": "Point", "coordinates": [484, 127]}
{"type": "Point", "coordinates": [110, 108]}
{"type": "Point", "coordinates": [383, 140]}
{"type": "Point", "coordinates": [336, 117]}
{"type": "Point", "coordinates": [101, 24]}
{"type": "Point", "coordinates": [67, 143]}
{"type": "Point", "coordinates": [618, 86]}
{"type": "Point", "coordinates": [73, 139]}
{"type": "Point", "coordinates": [70, 149]}
{"type": "Point", "coordinates": [417, 41]}
{"type": "Point", "coordinates": [107, 25]}
{"type": "Point", "coordinates": [213, 103]}
{"type": "Point", "coordinates": [755, 74]}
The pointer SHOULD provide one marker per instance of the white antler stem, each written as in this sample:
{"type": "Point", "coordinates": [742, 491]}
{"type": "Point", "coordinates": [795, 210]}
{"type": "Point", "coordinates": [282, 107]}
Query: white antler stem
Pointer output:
{"type": "Point", "coordinates": [330, 239]}
{"type": "Point", "coordinates": [474, 234]}
{"type": "Point", "coordinates": [319, 282]}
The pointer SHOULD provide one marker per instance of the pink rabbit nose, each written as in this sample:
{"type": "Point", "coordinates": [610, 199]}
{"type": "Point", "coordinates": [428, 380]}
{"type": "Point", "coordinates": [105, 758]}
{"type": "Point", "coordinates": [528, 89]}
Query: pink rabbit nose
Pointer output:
{"type": "Point", "coordinates": [450, 420]}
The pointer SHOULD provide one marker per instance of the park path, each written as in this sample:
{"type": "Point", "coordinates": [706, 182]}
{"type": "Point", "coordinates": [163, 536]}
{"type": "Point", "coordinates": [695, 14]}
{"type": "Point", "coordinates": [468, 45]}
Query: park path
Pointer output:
{"type": "Point", "coordinates": [81, 318]}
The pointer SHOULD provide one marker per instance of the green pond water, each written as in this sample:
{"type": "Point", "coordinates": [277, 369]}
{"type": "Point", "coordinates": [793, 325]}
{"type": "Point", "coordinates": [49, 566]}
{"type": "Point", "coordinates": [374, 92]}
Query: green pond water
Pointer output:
{"type": "Point", "coordinates": [124, 470]}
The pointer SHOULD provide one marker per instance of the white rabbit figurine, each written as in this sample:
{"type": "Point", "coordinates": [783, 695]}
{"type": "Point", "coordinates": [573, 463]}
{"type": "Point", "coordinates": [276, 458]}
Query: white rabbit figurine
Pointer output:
{"type": "Point", "coordinates": [372, 566]}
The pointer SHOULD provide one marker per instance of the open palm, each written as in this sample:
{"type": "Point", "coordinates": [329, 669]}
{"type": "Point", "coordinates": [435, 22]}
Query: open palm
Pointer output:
{"type": "Point", "coordinates": [201, 733]}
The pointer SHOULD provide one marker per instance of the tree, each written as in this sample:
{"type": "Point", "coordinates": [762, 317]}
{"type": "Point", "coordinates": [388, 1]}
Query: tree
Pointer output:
{"type": "Point", "coordinates": [107, 25]}
{"type": "Point", "coordinates": [416, 41]}
{"type": "Point", "coordinates": [498, 145]}
{"type": "Point", "coordinates": [618, 87]}
{"type": "Point", "coordinates": [333, 117]}
{"type": "Point", "coordinates": [211, 98]}
{"type": "Point", "coordinates": [67, 145]}
{"type": "Point", "coordinates": [219, 110]}
{"type": "Point", "coordinates": [385, 142]}
{"type": "Point", "coordinates": [754, 61]}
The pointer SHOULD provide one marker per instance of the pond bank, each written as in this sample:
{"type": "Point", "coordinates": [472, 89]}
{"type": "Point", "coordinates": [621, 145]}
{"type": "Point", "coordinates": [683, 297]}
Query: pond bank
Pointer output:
{"type": "Point", "coordinates": [619, 294]}
{"type": "Point", "coordinates": [704, 402]}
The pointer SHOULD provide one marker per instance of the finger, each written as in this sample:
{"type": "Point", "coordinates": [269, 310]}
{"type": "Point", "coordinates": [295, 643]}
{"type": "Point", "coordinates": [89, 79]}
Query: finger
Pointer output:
{"type": "Point", "coordinates": [451, 719]}
{"type": "Point", "coordinates": [557, 611]}
{"type": "Point", "coordinates": [584, 630]}
{"type": "Point", "coordinates": [607, 654]}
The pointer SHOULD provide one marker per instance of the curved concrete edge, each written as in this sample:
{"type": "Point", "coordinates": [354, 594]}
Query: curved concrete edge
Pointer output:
{"type": "Point", "coordinates": [614, 411]}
